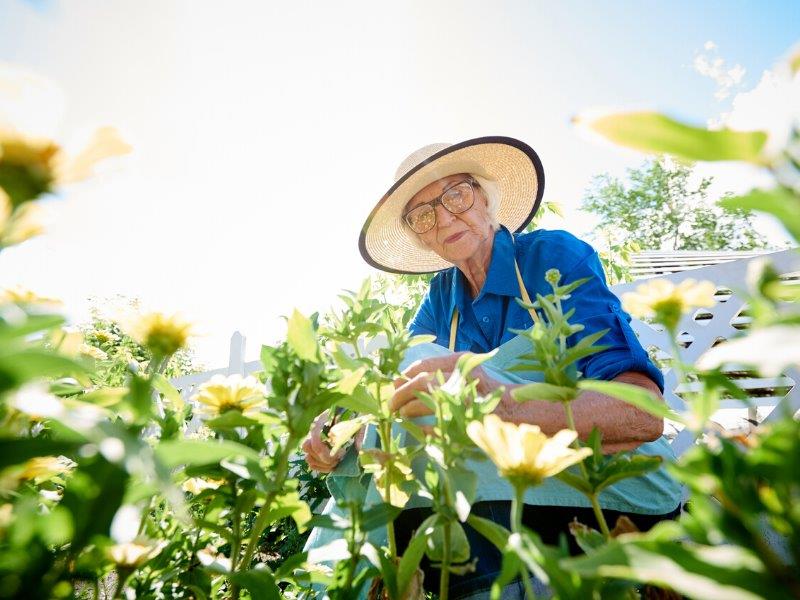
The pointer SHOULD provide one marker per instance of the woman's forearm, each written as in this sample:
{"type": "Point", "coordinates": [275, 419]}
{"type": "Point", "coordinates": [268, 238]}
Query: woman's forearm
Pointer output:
{"type": "Point", "coordinates": [624, 427]}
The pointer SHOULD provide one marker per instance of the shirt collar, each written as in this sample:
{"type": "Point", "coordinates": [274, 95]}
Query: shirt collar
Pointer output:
{"type": "Point", "coordinates": [501, 278]}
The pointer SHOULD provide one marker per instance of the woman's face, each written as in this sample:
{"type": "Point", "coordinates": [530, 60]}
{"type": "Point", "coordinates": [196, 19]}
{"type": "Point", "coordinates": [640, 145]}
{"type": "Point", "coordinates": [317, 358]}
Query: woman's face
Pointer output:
{"type": "Point", "coordinates": [455, 238]}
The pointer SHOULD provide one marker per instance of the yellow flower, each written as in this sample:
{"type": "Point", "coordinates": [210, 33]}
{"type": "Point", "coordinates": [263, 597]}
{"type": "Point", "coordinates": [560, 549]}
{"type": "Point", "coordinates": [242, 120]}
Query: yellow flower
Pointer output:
{"type": "Point", "coordinates": [23, 296]}
{"type": "Point", "coordinates": [233, 392]}
{"type": "Point", "coordinates": [36, 165]}
{"type": "Point", "coordinates": [17, 226]}
{"type": "Point", "coordinates": [662, 300]}
{"type": "Point", "coordinates": [195, 485]}
{"type": "Point", "coordinates": [43, 468]}
{"type": "Point", "coordinates": [522, 452]}
{"type": "Point", "coordinates": [134, 554]}
{"type": "Point", "coordinates": [162, 334]}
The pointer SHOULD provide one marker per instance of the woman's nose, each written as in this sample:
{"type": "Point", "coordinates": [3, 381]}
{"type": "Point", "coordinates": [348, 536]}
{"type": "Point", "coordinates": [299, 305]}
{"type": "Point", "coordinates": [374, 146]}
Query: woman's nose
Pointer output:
{"type": "Point", "coordinates": [443, 216]}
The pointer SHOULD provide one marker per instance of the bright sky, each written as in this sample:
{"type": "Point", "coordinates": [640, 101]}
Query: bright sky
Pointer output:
{"type": "Point", "coordinates": [264, 132]}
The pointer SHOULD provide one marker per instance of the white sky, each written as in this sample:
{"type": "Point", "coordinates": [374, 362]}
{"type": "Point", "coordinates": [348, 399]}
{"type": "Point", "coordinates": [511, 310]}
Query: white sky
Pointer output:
{"type": "Point", "coordinates": [264, 135]}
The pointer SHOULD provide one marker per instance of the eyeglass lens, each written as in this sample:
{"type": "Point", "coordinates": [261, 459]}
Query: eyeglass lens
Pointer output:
{"type": "Point", "coordinates": [456, 200]}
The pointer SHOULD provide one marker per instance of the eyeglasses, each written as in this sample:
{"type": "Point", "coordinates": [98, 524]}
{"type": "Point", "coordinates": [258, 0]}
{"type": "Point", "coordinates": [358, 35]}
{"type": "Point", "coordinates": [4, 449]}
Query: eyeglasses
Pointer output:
{"type": "Point", "coordinates": [458, 198]}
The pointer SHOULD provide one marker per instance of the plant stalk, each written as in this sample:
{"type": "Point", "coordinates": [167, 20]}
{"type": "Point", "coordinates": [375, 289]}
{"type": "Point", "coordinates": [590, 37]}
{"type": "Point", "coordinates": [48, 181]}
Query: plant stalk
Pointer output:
{"type": "Point", "coordinates": [517, 505]}
{"type": "Point", "coordinates": [598, 512]}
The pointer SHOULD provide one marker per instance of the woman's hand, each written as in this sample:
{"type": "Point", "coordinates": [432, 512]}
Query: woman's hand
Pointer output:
{"type": "Point", "coordinates": [421, 377]}
{"type": "Point", "coordinates": [318, 453]}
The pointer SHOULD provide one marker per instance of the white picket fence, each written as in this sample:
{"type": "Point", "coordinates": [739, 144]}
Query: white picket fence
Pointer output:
{"type": "Point", "coordinates": [699, 331]}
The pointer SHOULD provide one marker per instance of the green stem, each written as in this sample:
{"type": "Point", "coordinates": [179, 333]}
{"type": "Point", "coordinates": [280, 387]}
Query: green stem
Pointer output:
{"type": "Point", "coordinates": [281, 470]}
{"type": "Point", "coordinates": [386, 446]}
{"type": "Point", "coordinates": [237, 531]}
{"type": "Point", "coordinates": [444, 580]}
{"type": "Point", "coordinates": [517, 504]}
{"type": "Point", "coordinates": [598, 512]}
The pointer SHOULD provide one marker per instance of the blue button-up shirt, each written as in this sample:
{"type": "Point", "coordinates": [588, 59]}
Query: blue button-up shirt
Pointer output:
{"type": "Point", "coordinates": [486, 321]}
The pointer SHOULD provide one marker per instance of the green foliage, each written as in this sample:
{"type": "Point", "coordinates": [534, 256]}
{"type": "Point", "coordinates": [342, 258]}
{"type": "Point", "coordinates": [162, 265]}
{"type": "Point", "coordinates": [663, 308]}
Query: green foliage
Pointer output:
{"type": "Point", "coordinates": [660, 209]}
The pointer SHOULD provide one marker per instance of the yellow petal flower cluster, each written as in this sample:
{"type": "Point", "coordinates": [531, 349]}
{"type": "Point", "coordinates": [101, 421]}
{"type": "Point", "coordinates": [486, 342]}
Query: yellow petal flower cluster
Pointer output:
{"type": "Point", "coordinates": [134, 554]}
{"type": "Point", "coordinates": [162, 334]}
{"type": "Point", "coordinates": [522, 453]}
{"type": "Point", "coordinates": [662, 300]}
{"type": "Point", "coordinates": [25, 297]}
{"type": "Point", "coordinates": [234, 392]}
{"type": "Point", "coordinates": [42, 468]}
{"type": "Point", "coordinates": [195, 485]}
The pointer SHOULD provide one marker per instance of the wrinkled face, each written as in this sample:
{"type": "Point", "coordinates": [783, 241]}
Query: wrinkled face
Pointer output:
{"type": "Point", "coordinates": [455, 238]}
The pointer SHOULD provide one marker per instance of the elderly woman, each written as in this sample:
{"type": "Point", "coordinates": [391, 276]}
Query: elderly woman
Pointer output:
{"type": "Point", "coordinates": [457, 210]}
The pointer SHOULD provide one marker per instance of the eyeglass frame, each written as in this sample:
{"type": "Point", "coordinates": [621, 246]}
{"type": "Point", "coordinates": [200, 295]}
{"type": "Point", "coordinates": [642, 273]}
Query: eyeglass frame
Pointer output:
{"type": "Point", "coordinates": [438, 200]}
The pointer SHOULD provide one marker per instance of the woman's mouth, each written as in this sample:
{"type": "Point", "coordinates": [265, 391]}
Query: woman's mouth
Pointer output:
{"type": "Point", "coordinates": [454, 238]}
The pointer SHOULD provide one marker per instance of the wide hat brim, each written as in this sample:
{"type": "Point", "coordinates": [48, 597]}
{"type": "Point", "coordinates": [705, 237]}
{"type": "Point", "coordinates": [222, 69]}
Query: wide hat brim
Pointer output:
{"type": "Point", "coordinates": [512, 165]}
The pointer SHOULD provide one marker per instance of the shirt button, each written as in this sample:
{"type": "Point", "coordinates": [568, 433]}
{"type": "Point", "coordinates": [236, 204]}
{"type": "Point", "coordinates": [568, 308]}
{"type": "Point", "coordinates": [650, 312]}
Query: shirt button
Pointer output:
{"type": "Point", "coordinates": [485, 319]}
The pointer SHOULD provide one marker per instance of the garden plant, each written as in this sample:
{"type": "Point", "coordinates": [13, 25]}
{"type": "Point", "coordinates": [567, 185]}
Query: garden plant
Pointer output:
{"type": "Point", "coordinates": [112, 484]}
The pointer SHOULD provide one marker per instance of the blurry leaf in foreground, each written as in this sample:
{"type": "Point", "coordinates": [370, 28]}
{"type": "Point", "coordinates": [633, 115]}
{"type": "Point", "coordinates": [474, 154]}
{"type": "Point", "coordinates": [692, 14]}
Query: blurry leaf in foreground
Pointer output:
{"type": "Point", "coordinates": [769, 349]}
{"type": "Point", "coordinates": [779, 202]}
{"type": "Point", "coordinates": [658, 133]}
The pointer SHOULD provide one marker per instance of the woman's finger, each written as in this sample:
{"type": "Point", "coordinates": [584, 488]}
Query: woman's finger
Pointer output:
{"type": "Point", "coordinates": [415, 408]}
{"type": "Point", "coordinates": [408, 391]}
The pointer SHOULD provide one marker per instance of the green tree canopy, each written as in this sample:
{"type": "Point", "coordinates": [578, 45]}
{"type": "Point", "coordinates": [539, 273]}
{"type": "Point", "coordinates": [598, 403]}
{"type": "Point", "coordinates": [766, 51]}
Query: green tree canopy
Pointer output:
{"type": "Point", "coordinates": [660, 208]}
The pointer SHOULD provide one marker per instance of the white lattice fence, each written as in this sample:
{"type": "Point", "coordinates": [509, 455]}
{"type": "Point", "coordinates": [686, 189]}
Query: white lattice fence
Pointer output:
{"type": "Point", "coordinates": [699, 331]}
{"type": "Point", "coordinates": [707, 327]}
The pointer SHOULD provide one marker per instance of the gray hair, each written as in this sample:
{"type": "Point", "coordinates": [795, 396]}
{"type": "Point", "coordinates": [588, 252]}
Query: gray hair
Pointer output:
{"type": "Point", "coordinates": [492, 193]}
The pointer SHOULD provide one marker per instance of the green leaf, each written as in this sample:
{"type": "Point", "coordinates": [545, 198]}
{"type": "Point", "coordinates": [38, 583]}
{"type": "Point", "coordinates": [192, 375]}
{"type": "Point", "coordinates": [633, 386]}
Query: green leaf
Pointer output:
{"type": "Point", "coordinates": [231, 419]}
{"type": "Point", "coordinates": [290, 505]}
{"type": "Point", "coordinates": [723, 572]}
{"type": "Point", "coordinates": [658, 133]}
{"type": "Point", "coordinates": [468, 361]}
{"type": "Point", "coordinates": [259, 582]}
{"type": "Point", "coordinates": [360, 401]}
{"type": "Point", "coordinates": [166, 389]}
{"type": "Point", "coordinates": [634, 395]}
{"type": "Point", "coordinates": [302, 338]}
{"type": "Point", "coordinates": [31, 324]}
{"type": "Point", "coordinates": [174, 453]}
{"type": "Point", "coordinates": [625, 466]}
{"type": "Point", "coordinates": [16, 451]}
{"type": "Point", "coordinates": [413, 554]}
{"type": "Point", "coordinates": [32, 363]}
{"type": "Point", "coordinates": [496, 534]}
{"type": "Point", "coordinates": [349, 381]}
{"type": "Point", "coordinates": [588, 539]}
{"type": "Point", "coordinates": [779, 202]}
{"type": "Point", "coordinates": [378, 515]}
{"type": "Point", "coordinates": [459, 545]}
{"type": "Point", "coordinates": [464, 486]}
{"type": "Point", "coordinates": [576, 482]}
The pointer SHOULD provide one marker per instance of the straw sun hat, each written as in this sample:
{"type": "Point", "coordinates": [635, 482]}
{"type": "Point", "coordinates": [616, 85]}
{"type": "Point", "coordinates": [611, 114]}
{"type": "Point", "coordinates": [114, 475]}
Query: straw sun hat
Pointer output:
{"type": "Point", "coordinates": [510, 164]}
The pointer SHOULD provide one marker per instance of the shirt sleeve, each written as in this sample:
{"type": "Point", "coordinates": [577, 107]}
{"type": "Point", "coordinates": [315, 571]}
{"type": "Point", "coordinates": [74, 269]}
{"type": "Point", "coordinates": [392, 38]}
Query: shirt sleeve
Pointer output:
{"type": "Point", "coordinates": [423, 322]}
{"type": "Point", "coordinates": [597, 308]}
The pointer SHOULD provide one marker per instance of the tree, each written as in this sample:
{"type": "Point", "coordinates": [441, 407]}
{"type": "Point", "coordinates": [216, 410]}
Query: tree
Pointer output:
{"type": "Point", "coordinates": [660, 209]}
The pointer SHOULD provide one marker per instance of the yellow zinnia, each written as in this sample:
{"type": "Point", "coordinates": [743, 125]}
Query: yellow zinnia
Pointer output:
{"type": "Point", "coordinates": [162, 334]}
{"type": "Point", "coordinates": [234, 392]}
{"type": "Point", "coordinates": [662, 300]}
{"type": "Point", "coordinates": [522, 452]}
